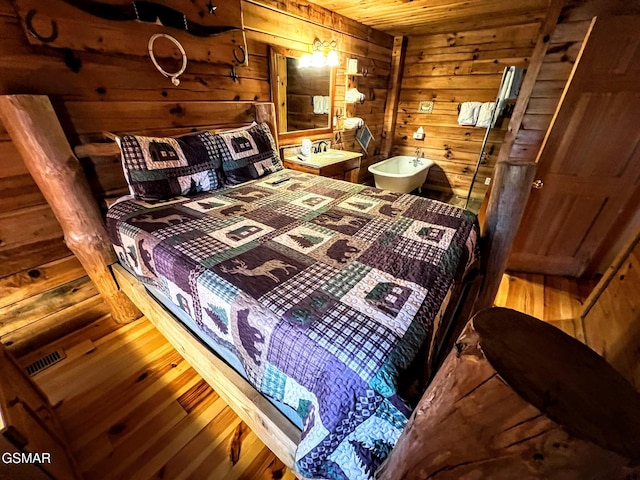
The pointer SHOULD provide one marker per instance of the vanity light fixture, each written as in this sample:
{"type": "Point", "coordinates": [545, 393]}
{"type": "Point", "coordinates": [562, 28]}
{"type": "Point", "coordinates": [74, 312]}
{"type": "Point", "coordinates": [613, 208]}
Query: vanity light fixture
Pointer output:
{"type": "Point", "coordinates": [332, 58]}
{"type": "Point", "coordinates": [305, 61]}
{"type": "Point", "coordinates": [324, 53]}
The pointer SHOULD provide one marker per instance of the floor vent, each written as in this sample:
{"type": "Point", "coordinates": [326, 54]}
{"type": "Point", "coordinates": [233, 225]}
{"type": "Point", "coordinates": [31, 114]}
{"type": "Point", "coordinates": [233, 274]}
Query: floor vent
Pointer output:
{"type": "Point", "coordinates": [44, 362]}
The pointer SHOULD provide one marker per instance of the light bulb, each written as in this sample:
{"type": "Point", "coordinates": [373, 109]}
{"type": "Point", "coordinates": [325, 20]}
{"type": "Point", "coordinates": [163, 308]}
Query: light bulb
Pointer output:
{"type": "Point", "coordinates": [318, 59]}
{"type": "Point", "coordinates": [332, 59]}
{"type": "Point", "coordinates": [305, 61]}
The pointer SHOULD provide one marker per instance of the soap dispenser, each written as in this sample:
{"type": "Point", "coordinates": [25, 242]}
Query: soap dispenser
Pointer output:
{"type": "Point", "coordinates": [306, 147]}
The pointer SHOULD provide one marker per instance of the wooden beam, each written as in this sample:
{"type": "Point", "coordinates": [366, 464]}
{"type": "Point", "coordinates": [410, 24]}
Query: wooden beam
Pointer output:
{"type": "Point", "coordinates": [34, 128]}
{"type": "Point", "coordinates": [103, 149]}
{"type": "Point", "coordinates": [393, 98]}
{"type": "Point", "coordinates": [507, 202]}
{"type": "Point", "coordinates": [266, 421]}
{"type": "Point", "coordinates": [518, 398]}
{"type": "Point", "coordinates": [266, 112]}
{"type": "Point", "coordinates": [512, 180]}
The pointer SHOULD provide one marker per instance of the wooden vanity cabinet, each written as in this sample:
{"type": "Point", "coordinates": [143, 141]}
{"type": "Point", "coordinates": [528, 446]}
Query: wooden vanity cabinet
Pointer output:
{"type": "Point", "coordinates": [338, 164]}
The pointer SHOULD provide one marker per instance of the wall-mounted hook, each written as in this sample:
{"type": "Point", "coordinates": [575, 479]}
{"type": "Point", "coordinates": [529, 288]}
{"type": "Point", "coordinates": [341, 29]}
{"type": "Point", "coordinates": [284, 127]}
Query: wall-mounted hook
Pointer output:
{"type": "Point", "coordinates": [244, 54]}
{"type": "Point", "coordinates": [365, 71]}
{"type": "Point", "coordinates": [29, 21]}
{"type": "Point", "coordinates": [171, 76]}
{"type": "Point", "coordinates": [233, 74]}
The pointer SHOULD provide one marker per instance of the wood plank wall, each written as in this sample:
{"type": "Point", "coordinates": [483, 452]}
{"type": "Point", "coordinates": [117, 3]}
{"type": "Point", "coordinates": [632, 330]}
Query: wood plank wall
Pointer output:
{"type": "Point", "coordinates": [44, 291]}
{"type": "Point", "coordinates": [464, 66]}
{"type": "Point", "coordinates": [451, 68]}
{"type": "Point", "coordinates": [557, 65]}
{"type": "Point", "coordinates": [611, 320]}
{"type": "Point", "coordinates": [295, 24]}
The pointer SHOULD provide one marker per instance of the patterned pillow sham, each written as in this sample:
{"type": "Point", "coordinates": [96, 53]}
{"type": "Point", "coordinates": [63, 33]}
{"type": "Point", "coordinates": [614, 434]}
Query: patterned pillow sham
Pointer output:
{"type": "Point", "coordinates": [161, 168]}
{"type": "Point", "coordinates": [247, 153]}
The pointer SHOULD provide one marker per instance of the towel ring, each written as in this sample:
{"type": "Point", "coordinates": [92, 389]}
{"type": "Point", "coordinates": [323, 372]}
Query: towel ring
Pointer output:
{"type": "Point", "coordinates": [172, 76]}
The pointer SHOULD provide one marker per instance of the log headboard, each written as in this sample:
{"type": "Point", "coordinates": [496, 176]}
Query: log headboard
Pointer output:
{"type": "Point", "coordinates": [37, 132]}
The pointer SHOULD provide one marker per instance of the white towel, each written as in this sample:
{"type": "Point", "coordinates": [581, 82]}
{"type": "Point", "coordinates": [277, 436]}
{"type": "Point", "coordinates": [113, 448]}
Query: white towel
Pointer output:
{"type": "Point", "coordinates": [353, 122]}
{"type": "Point", "coordinates": [516, 83]}
{"type": "Point", "coordinates": [325, 104]}
{"type": "Point", "coordinates": [485, 115]}
{"type": "Point", "coordinates": [505, 90]}
{"type": "Point", "coordinates": [354, 96]}
{"type": "Point", "coordinates": [469, 113]}
{"type": "Point", "coordinates": [317, 104]}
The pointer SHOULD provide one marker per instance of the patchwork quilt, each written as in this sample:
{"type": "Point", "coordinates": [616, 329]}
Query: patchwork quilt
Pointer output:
{"type": "Point", "coordinates": [325, 290]}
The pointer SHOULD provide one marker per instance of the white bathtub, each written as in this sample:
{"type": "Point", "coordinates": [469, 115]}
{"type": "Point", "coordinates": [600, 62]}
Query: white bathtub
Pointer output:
{"type": "Point", "coordinates": [399, 174]}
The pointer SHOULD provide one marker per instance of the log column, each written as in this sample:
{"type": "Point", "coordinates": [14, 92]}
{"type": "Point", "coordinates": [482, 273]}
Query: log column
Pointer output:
{"type": "Point", "coordinates": [38, 136]}
{"type": "Point", "coordinates": [519, 399]}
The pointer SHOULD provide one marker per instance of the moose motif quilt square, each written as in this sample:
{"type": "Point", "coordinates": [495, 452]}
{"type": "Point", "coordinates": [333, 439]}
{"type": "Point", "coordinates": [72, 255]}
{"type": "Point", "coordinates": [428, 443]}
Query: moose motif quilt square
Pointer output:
{"type": "Point", "coordinates": [325, 292]}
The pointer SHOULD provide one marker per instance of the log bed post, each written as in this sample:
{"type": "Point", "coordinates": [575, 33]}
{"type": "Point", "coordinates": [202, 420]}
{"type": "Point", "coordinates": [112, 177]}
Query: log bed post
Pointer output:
{"type": "Point", "coordinates": [36, 132]}
{"type": "Point", "coordinates": [520, 399]}
{"type": "Point", "coordinates": [266, 112]}
{"type": "Point", "coordinates": [512, 180]}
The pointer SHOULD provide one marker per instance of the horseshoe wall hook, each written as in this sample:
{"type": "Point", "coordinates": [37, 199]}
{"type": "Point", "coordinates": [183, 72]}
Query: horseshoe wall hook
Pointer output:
{"type": "Point", "coordinates": [29, 22]}
{"type": "Point", "coordinates": [244, 54]}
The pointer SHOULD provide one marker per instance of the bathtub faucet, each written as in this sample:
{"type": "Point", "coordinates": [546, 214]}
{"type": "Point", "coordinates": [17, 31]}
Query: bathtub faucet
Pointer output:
{"type": "Point", "coordinates": [417, 161]}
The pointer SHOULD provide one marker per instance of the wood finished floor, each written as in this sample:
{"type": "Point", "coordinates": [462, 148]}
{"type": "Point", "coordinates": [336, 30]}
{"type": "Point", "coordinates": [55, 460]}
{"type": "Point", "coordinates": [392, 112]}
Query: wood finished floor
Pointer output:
{"type": "Point", "coordinates": [133, 409]}
{"type": "Point", "coordinates": [556, 300]}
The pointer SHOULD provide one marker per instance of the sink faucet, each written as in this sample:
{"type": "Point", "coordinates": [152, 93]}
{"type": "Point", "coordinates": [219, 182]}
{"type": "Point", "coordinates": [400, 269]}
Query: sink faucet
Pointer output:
{"type": "Point", "coordinates": [322, 146]}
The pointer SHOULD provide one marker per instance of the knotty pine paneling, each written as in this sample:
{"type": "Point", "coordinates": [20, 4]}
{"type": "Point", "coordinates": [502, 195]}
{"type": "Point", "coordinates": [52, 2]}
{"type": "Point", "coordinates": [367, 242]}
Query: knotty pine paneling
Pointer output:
{"type": "Point", "coordinates": [121, 93]}
{"type": "Point", "coordinates": [438, 16]}
{"type": "Point", "coordinates": [611, 323]}
{"type": "Point", "coordinates": [451, 68]}
{"type": "Point", "coordinates": [554, 73]}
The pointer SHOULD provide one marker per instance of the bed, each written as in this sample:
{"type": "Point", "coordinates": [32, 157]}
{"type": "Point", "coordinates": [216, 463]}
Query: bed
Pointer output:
{"type": "Point", "coordinates": [329, 294]}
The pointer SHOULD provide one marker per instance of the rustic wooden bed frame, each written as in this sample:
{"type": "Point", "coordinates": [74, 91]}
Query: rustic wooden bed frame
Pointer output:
{"type": "Point", "coordinates": [36, 131]}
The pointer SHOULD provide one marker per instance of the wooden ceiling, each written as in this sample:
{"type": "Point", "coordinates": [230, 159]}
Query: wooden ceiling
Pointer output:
{"type": "Point", "coordinates": [424, 17]}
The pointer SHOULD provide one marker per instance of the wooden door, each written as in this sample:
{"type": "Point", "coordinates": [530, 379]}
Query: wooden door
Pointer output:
{"type": "Point", "coordinates": [590, 161]}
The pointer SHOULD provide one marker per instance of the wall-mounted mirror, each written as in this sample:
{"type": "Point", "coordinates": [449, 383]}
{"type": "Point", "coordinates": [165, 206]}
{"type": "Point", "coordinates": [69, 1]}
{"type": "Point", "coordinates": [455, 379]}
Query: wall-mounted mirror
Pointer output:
{"type": "Point", "coordinates": [303, 97]}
